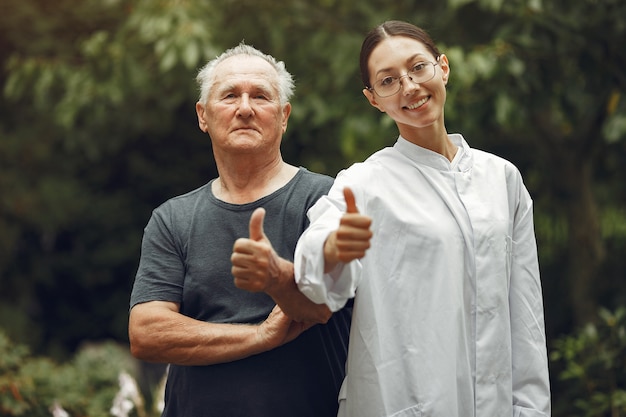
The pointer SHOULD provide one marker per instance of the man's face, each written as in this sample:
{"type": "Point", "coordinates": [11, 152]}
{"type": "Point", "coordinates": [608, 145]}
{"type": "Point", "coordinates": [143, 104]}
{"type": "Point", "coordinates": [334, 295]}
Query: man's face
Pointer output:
{"type": "Point", "coordinates": [243, 111]}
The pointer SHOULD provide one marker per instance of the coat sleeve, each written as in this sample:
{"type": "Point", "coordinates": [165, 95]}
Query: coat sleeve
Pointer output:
{"type": "Point", "coordinates": [531, 386]}
{"type": "Point", "coordinates": [335, 288]}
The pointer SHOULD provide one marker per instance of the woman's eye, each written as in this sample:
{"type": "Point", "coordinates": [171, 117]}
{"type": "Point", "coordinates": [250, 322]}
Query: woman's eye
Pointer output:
{"type": "Point", "coordinates": [387, 81]}
{"type": "Point", "coordinates": [419, 67]}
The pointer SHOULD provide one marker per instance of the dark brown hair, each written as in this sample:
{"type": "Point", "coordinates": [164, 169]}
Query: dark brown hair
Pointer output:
{"type": "Point", "coordinates": [386, 30]}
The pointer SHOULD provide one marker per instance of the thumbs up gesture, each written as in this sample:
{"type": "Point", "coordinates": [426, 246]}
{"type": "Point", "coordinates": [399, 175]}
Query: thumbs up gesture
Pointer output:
{"type": "Point", "coordinates": [255, 263]}
{"type": "Point", "coordinates": [352, 239]}
{"type": "Point", "coordinates": [257, 267]}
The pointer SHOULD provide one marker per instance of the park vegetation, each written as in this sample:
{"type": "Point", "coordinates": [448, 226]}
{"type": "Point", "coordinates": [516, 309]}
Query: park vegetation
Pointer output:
{"type": "Point", "coordinates": [98, 127]}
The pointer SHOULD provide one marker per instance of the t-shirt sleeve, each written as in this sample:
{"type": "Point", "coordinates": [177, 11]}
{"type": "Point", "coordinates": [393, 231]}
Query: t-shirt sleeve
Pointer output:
{"type": "Point", "coordinates": [161, 270]}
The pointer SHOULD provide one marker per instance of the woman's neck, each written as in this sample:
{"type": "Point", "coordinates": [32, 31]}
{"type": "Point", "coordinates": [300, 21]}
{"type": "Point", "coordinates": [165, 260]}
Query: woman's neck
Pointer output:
{"type": "Point", "coordinates": [433, 137]}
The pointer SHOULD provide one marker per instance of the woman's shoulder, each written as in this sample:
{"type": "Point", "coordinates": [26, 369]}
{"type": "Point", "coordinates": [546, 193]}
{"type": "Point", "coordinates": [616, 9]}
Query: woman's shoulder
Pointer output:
{"type": "Point", "coordinates": [484, 157]}
{"type": "Point", "coordinates": [378, 159]}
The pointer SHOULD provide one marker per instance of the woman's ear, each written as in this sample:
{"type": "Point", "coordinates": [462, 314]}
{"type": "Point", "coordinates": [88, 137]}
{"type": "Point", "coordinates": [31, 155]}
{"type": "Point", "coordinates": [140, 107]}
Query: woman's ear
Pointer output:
{"type": "Point", "coordinates": [445, 67]}
{"type": "Point", "coordinates": [371, 97]}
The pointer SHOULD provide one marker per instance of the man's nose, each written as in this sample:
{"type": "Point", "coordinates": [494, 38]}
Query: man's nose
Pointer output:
{"type": "Point", "coordinates": [245, 106]}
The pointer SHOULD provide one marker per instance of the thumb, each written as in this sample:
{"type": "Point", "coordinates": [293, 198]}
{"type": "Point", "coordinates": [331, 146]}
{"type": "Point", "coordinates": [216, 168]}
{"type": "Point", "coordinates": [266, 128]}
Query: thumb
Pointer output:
{"type": "Point", "coordinates": [256, 224]}
{"type": "Point", "coordinates": [350, 201]}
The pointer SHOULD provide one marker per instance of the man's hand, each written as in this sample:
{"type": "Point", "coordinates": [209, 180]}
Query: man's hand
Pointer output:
{"type": "Point", "coordinates": [279, 329]}
{"type": "Point", "coordinates": [351, 239]}
{"type": "Point", "coordinates": [256, 266]}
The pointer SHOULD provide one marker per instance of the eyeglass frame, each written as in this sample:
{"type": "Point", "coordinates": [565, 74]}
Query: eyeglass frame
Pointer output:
{"type": "Point", "coordinates": [408, 75]}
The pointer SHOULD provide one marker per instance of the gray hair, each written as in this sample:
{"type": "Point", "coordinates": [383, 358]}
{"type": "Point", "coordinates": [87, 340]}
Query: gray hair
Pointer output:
{"type": "Point", "coordinates": [205, 78]}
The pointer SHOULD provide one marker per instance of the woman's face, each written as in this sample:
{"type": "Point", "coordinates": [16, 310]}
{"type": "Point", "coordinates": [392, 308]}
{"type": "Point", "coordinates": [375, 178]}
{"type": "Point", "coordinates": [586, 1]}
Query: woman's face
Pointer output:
{"type": "Point", "coordinates": [414, 105]}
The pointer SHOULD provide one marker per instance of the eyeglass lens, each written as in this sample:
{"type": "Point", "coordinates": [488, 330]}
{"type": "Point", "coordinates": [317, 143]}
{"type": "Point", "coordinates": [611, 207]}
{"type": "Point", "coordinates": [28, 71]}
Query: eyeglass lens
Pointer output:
{"type": "Point", "coordinates": [420, 73]}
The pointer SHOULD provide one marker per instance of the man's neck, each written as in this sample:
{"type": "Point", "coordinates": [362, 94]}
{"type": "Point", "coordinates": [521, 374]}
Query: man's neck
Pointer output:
{"type": "Point", "coordinates": [249, 180]}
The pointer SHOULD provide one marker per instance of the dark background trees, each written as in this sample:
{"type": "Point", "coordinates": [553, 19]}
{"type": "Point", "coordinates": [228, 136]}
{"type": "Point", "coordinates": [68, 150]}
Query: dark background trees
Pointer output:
{"type": "Point", "coordinates": [97, 127]}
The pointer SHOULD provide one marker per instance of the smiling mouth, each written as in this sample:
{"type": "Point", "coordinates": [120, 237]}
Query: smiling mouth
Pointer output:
{"type": "Point", "coordinates": [418, 104]}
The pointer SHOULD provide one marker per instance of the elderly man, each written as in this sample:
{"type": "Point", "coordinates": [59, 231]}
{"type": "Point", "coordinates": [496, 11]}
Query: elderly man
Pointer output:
{"type": "Point", "coordinates": [233, 352]}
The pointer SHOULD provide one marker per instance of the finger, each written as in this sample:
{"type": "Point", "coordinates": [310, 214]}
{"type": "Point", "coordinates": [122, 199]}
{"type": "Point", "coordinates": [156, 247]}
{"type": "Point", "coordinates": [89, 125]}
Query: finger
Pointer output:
{"type": "Point", "coordinates": [350, 201]}
{"type": "Point", "coordinates": [256, 224]}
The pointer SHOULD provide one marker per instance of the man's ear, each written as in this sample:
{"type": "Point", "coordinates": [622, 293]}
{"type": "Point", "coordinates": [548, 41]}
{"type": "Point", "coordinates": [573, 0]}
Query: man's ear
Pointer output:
{"type": "Point", "coordinates": [371, 97]}
{"type": "Point", "coordinates": [200, 111]}
{"type": "Point", "coordinates": [286, 113]}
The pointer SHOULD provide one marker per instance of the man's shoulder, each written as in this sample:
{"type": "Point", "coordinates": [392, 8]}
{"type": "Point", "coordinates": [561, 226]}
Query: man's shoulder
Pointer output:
{"type": "Point", "coordinates": [314, 179]}
{"type": "Point", "coordinates": [186, 201]}
{"type": "Point", "coordinates": [315, 176]}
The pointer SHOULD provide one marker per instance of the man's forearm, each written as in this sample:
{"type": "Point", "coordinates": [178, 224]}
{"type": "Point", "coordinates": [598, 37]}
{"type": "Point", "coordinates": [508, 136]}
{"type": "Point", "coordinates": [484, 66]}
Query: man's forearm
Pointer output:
{"type": "Point", "coordinates": [296, 305]}
{"type": "Point", "coordinates": [165, 336]}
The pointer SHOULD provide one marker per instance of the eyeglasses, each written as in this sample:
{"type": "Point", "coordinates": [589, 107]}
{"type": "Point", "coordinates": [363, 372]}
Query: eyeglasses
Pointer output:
{"type": "Point", "coordinates": [419, 73]}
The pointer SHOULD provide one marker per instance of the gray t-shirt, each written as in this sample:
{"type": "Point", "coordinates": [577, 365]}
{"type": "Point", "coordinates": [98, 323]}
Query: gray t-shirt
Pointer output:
{"type": "Point", "coordinates": [185, 259]}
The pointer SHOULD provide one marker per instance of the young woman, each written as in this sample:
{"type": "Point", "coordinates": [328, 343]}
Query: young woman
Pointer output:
{"type": "Point", "coordinates": [448, 314]}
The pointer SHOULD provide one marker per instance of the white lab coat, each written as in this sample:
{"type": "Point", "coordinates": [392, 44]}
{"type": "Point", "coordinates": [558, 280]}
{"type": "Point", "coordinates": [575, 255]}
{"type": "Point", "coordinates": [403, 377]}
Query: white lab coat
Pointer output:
{"type": "Point", "coordinates": [448, 315]}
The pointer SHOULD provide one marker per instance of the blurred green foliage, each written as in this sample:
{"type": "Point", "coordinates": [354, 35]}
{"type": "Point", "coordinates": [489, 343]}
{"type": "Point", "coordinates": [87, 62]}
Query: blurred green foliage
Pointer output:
{"type": "Point", "coordinates": [86, 385]}
{"type": "Point", "coordinates": [592, 363]}
{"type": "Point", "coordinates": [98, 127]}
